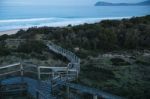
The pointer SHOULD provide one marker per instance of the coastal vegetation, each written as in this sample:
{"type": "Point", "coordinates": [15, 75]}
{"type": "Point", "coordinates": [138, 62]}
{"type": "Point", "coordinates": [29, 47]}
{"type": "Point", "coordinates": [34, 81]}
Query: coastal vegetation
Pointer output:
{"type": "Point", "coordinates": [4, 51]}
{"type": "Point", "coordinates": [34, 51]}
{"type": "Point", "coordinates": [115, 54]}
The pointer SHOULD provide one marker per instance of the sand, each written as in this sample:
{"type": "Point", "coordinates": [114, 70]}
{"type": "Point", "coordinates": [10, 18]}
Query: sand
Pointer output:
{"type": "Point", "coordinates": [9, 32]}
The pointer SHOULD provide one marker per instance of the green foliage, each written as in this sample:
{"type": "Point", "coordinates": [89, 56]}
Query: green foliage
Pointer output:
{"type": "Point", "coordinates": [19, 33]}
{"type": "Point", "coordinates": [32, 46]}
{"type": "Point", "coordinates": [39, 56]}
{"type": "Point", "coordinates": [144, 60]}
{"type": "Point", "coordinates": [97, 74]}
{"type": "Point", "coordinates": [4, 51]}
{"type": "Point", "coordinates": [107, 35]}
{"type": "Point", "coordinates": [119, 62]}
{"type": "Point", "coordinates": [3, 37]}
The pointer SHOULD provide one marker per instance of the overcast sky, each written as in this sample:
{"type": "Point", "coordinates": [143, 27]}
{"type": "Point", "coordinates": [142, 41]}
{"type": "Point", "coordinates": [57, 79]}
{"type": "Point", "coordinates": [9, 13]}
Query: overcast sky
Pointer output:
{"type": "Point", "coordinates": [60, 2]}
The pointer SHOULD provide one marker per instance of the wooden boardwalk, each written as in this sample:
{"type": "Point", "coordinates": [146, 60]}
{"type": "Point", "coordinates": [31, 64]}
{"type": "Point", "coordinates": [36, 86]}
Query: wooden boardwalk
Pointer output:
{"type": "Point", "coordinates": [60, 76]}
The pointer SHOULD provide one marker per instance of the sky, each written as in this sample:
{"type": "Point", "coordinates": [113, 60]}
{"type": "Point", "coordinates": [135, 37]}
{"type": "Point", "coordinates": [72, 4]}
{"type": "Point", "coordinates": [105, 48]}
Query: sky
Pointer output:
{"type": "Point", "coordinates": [61, 2]}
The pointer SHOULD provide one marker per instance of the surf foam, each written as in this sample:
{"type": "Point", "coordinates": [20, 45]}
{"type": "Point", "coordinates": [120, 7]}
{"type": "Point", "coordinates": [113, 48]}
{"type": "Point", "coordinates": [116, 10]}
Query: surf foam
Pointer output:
{"type": "Point", "coordinates": [52, 22]}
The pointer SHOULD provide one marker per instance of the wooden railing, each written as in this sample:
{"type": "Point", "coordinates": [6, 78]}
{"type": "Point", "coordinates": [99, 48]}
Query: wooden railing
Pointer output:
{"type": "Point", "coordinates": [74, 64]}
{"type": "Point", "coordinates": [38, 70]}
{"type": "Point", "coordinates": [59, 75]}
{"type": "Point", "coordinates": [72, 67]}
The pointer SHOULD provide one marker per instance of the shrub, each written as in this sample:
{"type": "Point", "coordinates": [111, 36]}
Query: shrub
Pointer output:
{"type": "Point", "coordinates": [119, 62]}
{"type": "Point", "coordinates": [32, 46]}
{"type": "Point", "coordinates": [4, 51]}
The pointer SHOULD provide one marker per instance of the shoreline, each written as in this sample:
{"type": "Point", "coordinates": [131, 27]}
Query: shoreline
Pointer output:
{"type": "Point", "coordinates": [62, 24]}
{"type": "Point", "coordinates": [10, 32]}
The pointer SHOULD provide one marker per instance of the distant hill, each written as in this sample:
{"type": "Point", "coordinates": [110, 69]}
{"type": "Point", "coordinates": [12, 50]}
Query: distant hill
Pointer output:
{"type": "Point", "coordinates": [122, 4]}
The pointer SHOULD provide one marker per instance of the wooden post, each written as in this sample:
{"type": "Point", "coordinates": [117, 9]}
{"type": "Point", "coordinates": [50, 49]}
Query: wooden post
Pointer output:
{"type": "Point", "coordinates": [39, 74]}
{"type": "Point", "coordinates": [52, 86]}
{"type": "Point", "coordinates": [77, 75]}
{"type": "Point", "coordinates": [67, 74]}
{"type": "Point", "coordinates": [95, 97]}
{"type": "Point", "coordinates": [37, 95]}
{"type": "Point", "coordinates": [22, 74]}
{"type": "Point", "coordinates": [21, 69]}
{"type": "Point", "coordinates": [53, 74]}
{"type": "Point", "coordinates": [68, 93]}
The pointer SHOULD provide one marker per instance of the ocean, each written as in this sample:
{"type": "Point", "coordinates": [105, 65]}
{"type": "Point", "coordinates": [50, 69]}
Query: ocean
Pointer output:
{"type": "Point", "coordinates": [16, 17]}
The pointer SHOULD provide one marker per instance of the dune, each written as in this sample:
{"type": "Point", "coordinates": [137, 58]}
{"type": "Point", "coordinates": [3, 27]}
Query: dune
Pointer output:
{"type": "Point", "coordinates": [9, 32]}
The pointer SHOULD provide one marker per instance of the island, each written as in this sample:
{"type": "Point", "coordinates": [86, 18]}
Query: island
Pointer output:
{"type": "Point", "coordinates": [144, 3]}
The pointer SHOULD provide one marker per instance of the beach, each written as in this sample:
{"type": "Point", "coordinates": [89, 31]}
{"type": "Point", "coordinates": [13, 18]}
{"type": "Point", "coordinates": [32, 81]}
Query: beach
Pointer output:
{"type": "Point", "coordinates": [9, 32]}
{"type": "Point", "coordinates": [15, 24]}
{"type": "Point", "coordinates": [41, 22]}
{"type": "Point", "coordinates": [18, 17]}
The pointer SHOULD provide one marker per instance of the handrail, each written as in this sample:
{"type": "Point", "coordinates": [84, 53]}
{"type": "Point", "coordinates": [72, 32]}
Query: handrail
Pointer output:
{"type": "Point", "coordinates": [24, 69]}
{"type": "Point", "coordinates": [73, 66]}
{"type": "Point", "coordinates": [12, 65]}
{"type": "Point", "coordinates": [74, 60]}
{"type": "Point", "coordinates": [10, 72]}
{"type": "Point", "coordinates": [46, 67]}
{"type": "Point", "coordinates": [23, 66]}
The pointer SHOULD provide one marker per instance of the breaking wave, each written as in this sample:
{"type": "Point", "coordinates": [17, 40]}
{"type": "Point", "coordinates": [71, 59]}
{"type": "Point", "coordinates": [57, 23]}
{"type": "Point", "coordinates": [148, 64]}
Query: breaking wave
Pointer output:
{"type": "Point", "coordinates": [52, 22]}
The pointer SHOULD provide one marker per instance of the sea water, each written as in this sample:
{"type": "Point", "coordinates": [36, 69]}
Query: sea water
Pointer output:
{"type": "Point", "coordinates": [16, 17]}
